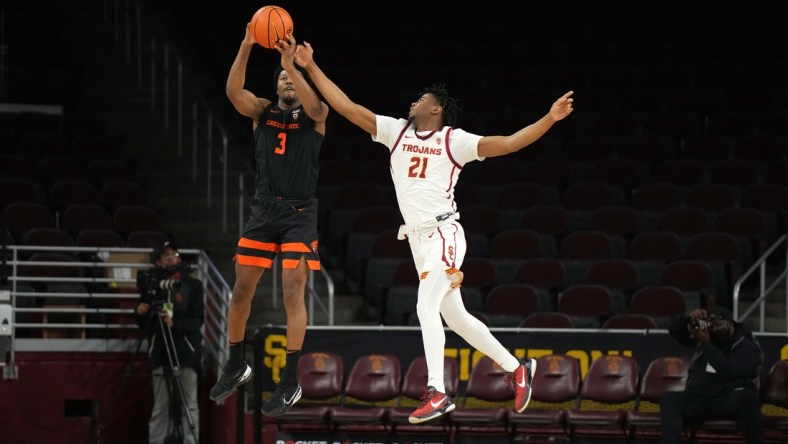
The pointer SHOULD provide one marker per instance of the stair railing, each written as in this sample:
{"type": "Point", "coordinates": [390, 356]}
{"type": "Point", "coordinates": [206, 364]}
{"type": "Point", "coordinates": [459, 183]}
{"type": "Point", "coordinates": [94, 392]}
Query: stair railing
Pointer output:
{"type": "Point", "coordinates": [764, 288]}
{"type": "Point", "coordinates": [207, 131]}
{"type": "Point", "coordinates": [91, 309]}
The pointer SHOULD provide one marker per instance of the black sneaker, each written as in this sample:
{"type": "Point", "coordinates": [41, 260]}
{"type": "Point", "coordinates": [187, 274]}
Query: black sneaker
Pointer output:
{"type": "Point", "coordinates": [282, 399]}
{"type": "Point", "coordinates": [230, 380]}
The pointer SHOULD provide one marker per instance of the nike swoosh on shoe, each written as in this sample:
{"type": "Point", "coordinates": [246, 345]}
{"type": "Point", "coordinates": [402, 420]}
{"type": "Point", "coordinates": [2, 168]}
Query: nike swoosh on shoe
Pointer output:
{"type": "Point", "coordinates": [296, 396]}
{"type": "Point", "coordinates": [247, 374]}
{"type": "Point", "coordinates": [287, 404]}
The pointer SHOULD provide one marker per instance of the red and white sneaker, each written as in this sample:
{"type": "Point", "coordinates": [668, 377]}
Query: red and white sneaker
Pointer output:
{"type": "Point", "coordinates": [522, 378]}
{"type": "Point", "coordinates": [434, 404]}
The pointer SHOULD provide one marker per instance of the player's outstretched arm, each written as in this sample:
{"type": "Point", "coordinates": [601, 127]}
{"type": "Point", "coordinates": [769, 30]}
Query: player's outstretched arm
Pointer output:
{"type": "Point", "coordinates": [493, 146]}
{"type": "Point", "coordinates": [336, 98]}
{"type": "Point", "coordinates": [244, 101]}
{"type": "Point", "coordinates": [314, 107]}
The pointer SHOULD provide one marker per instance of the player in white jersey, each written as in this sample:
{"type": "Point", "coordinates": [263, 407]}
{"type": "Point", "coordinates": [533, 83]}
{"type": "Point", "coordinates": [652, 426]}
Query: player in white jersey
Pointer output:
{"type": "Point", "coordinates": [427, 155]}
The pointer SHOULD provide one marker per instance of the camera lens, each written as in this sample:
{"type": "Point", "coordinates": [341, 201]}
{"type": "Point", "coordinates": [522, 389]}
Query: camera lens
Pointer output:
{"type": "Point", "coordinates": [169, 284]}
{"type": "Point", "coordinates": [698, 324]}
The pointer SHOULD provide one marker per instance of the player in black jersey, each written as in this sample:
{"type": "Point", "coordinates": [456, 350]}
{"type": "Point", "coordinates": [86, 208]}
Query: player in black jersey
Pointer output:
{"type": "Point", "coordinates": [288, 133]}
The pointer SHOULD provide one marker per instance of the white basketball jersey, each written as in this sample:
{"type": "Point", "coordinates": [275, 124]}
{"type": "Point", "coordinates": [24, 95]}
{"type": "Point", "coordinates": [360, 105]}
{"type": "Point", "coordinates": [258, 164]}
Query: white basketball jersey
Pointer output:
{"type": "Point", "coordinates": [425, 166]}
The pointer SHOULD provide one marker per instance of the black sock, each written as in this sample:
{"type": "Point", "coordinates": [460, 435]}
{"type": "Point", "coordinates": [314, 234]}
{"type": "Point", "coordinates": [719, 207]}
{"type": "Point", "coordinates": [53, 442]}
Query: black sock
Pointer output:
{"type": "Point", "coordinates": [291, 367]}
{"type": "Point", "coordinates": [236, 354]}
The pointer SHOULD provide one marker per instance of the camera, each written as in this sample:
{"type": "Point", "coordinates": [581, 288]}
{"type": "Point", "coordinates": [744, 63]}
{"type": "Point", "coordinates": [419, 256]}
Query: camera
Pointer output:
{"type": "Point", "coordinates": [169, 284]}
{"type": "Point", "coordinates": [702, 323]}
{"type": "Point", "coordinates": [699, 324]}
{"type": "Point", "coordinates": [156, 282]}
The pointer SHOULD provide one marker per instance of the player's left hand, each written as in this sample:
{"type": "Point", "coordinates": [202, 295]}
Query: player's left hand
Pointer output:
{"type": "Point", "coordinates": [304, 54]}
{"type": "Point", "coordinates": [287, 47]}
{"type": "Point", "coordinates": [562, 107]}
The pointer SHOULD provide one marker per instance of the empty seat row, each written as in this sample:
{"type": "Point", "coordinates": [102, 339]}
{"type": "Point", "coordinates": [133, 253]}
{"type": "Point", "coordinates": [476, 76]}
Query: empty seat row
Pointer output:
{"type": "Point", "coordinates": [654, 206]}
{"type": "Point", "coordinates": [118, 190]}
{"type": "Point", "coordinates": [554, 231]}
{"type": "Point", "coordinates": [354, 159]}
{"type": "Point", "coordinates": [589, 196]}
{"type": "Point", "coordinates": [625, 174]}
{"type": "Point", "coordinates": [523, 194]}
{"type": "Point", "coordinates": [553, 178]}
{"type": "Point", "coordinates": [615, 399]}
{"type": "Point", "coordinates": [578, 250]}
{"type": "Point", "coordinates": [22, 218]}
{"type": "Point", "coordinates": [41, 143]}
{"type": "Point", "coordinates": [49, 170]}
{"type": "Point", "coordinates": [582, 305]}
{"type": "Point", "coordinates": [391, 284]}
{"type": "Point", "coordinates": [91, 237]}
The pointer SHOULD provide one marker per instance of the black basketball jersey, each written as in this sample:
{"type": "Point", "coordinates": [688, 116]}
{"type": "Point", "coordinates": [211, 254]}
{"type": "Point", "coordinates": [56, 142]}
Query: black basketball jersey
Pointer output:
{"type": "Point", "coordinates": [287, 147]}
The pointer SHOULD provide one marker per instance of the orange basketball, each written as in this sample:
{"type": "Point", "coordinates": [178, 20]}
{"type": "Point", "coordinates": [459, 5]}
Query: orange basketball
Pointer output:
{"type": "Point", "coordinates": [270, 24]}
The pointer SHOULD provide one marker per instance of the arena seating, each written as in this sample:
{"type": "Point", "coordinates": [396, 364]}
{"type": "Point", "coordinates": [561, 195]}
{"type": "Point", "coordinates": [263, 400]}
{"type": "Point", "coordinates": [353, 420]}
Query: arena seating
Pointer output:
{"type": "Point", "coordinates": [615, 401]}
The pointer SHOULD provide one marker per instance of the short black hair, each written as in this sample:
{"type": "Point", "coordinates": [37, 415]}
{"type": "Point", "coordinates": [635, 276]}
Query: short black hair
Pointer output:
{"type": "Point", "coordinates": [449, 104]}
{"type": "Point", "coordinates": [279, 70]}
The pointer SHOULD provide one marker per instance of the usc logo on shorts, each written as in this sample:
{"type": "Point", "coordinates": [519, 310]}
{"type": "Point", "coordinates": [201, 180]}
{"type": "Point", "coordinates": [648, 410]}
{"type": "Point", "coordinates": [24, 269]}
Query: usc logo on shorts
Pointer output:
{"type": "Point", "coordinates": [450, 253]}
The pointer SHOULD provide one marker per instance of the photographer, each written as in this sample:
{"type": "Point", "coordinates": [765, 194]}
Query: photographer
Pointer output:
{"type": "Point", "coordinates": [723, 375]}
{"type": "Point", "coordinates": [171, 311]}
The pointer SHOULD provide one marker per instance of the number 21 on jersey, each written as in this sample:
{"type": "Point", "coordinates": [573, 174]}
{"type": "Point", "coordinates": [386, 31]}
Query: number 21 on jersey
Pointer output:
{"type": "Point", "coordinates": [418, 167]}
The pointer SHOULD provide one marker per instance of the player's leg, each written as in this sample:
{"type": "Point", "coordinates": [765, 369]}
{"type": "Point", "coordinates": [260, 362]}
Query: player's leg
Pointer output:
{"type": "Point", "coordinates": [433, 253]}
{"type": "Point", "coordinates": [299, 255]}
{"type": "Point", "coordinates": [520, 372]}
{"type": "Point", "coordinates": [255, 252]}
{"type": "Point", "coordinates": [236, 371]}
{"type": "Point", "coordinates": [435, 401]}
{"type": "Point", "coordinates": [246, 279]}
{"type": "Point", "coordinates": [293, 290]}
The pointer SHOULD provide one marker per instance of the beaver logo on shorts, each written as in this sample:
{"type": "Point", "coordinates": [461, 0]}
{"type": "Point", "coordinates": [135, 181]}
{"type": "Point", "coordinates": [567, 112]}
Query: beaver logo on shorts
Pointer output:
{"type": "Point", "coordinates": [313, 246]}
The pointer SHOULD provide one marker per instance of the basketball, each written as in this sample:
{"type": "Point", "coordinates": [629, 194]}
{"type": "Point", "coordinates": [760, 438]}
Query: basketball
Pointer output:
{"type": "Point", "coordinates": [270, 24]}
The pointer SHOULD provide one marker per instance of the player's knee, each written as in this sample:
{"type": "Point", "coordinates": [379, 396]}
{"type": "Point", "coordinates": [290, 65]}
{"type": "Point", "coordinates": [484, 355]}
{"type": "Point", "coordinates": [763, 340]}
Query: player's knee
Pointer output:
{"type": "Point", "coordinates": [243, 291]}
{"type": "Point", "coordinates": [293, 288]}
{"type": "Point", "coordinates": [293, 298]}
{"type": "Point", "coordinates": [424, 309]}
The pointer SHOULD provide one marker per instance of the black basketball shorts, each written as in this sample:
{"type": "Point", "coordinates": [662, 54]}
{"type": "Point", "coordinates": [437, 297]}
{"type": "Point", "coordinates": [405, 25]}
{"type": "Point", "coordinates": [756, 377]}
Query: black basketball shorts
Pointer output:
{"type": "Point", "coordinates": [281, 226]}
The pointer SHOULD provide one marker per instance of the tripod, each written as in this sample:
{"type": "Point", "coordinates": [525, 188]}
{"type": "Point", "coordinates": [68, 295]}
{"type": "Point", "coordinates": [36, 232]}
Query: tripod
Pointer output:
{"type": "Point", "coordinates": [176, 382]}
{"type": "Point", "coordinates": [173, 373]}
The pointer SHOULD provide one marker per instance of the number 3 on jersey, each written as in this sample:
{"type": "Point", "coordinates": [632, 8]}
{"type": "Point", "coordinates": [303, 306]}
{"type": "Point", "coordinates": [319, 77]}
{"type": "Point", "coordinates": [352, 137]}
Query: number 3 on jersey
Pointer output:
{"type": "Point", "coordinates": [418, 167]}
{"type": "Point", "coordinates": [280, 149]}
